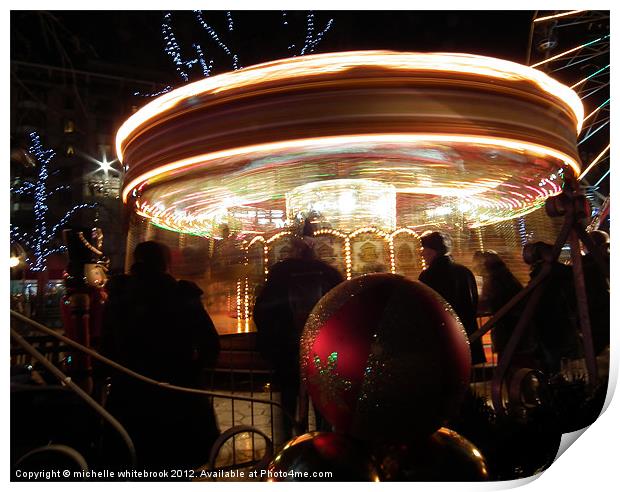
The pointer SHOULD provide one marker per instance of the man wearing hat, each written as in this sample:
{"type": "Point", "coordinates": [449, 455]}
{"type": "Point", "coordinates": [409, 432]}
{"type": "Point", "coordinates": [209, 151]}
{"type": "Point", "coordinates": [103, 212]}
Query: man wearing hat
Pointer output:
{"type": "Point", "coordinates": [454, 282]}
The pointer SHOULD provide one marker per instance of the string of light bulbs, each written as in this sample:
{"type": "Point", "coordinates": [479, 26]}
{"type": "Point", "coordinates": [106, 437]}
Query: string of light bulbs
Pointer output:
{"type": "Point", "coordinates": [40, 240]}
{"type": "Point", "coordinates": [168, 88]}
{"type": "Point", "coordinates": [311, 40]}
{"type": "Point", "coordinates": [230, 21]}
{"type": "Point", "coordinates": [214, 36]}
{"type": "Point", "coordinates": [172, 48]}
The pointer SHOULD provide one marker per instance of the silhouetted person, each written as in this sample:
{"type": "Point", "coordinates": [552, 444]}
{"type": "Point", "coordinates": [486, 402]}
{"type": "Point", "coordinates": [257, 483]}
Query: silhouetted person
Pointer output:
{"type": "Point", "coordinates": [293, 287]}
{"type": "Point", "coordinates": [555, 318]}
{"type": "Point", "coordinates": [498, 288]}
{"type": "Point", "coordinates": [158, 327]}
{"type": "Point", "coordinates": [597, 291]}
{"type": "Point", "coordinates": [454, 282]}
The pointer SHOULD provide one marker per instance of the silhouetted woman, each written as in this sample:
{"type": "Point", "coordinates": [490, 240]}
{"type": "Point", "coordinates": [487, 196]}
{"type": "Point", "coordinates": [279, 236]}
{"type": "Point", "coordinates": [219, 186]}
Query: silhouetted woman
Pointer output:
{"type": "Point", "coordinates": [498, 288]}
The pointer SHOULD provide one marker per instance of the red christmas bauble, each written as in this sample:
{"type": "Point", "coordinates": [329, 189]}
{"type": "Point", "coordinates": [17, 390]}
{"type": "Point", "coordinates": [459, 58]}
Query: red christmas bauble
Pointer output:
{"type": "Point", "coordinates": [384, 358]}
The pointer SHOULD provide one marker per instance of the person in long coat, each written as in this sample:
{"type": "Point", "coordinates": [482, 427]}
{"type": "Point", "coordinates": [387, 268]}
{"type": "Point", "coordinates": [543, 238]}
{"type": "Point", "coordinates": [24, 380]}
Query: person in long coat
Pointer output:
{"type": "Point", "coordinates": [452, 281]}
{"type": "Point", "coordinates": [158, 327]}
{"type": "Point", "coordinates": [294, 286]}
{"type": "Point", "coordinates": [498, 288]}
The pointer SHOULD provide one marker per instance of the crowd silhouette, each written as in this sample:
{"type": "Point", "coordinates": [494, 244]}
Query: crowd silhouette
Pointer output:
{"type": "Point", "coordinates": [157, 326]}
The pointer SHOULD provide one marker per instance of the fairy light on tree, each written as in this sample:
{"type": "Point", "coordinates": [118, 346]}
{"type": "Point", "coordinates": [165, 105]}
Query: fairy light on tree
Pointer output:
{"type": "Point", "coordinates": [173, 50]}
{"type": "Point", "coordinates": [168, 88]}
{"type": "Point", "coordinates": [309, 32]}
{"type": "Point", "coordinates": [230, 21]}
{"type": "Point", "coordinates": [311, 40]}
{"type": "Point", "coordinates": [185, 66]}
{"type": "Point", "coordinates": [214, 36]}
{"type": "Point", "coordinates": [41, 241]}
{"type": "Point", "coordinates": [206, 67]}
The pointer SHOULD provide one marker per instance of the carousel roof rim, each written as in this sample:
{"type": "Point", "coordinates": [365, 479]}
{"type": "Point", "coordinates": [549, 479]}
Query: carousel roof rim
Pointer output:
{"type": "Point", "coordinates": [316, 65]}
{"type": "Point", "coordinates": [199, 160]}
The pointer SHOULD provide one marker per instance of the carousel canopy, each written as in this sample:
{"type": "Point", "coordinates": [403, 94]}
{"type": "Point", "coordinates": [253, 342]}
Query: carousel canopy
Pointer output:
{"type": "Point", "coordinates": [386, 138]}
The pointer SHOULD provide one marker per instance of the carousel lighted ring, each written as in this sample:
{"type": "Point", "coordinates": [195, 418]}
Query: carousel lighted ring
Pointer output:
{"type": "Point", "coordinates": [376, 146]}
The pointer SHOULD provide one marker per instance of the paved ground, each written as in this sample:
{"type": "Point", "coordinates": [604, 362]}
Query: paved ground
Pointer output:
{"type": "Point", "coordinates": [248, 446]}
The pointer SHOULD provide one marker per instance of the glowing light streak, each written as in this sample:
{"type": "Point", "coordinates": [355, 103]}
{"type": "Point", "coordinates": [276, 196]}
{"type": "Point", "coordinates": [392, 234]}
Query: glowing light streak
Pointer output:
{"type": "Point", "coordinates": [487, 220]}
{"type": "Point", "coordinates": [590, 76]}
{"type": "Point", "coordinates": [579, 59]}
{"type": "Point", "coordinates": [594, 91]}
{"type": "Point", "coordinates": [317, 65]}
{"type": "Point", "coordinates": [556, 16]}
{"type": "Point", "coordinates": [602, 178]}
{"type": "Point", "coordinates": [202, 159]}
{"type": "Point", "coordinates": [594, 162]}
{"type": "Point", "coordinates": [538, 191]}
{"type": "Point", "coordinates": [596, 110]}
{"type": "Point", "coordinates": [567, 52]}
{"type": "Point", "coordinates": [592, 133]}
{"type": "Point", "coordinates": [465, 183]}
{"type": "Point", "coordinates": [460, 190]}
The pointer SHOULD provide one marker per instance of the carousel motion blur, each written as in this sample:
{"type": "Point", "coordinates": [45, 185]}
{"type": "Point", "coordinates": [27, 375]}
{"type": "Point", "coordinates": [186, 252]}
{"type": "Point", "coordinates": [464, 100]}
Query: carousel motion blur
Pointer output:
{"type": "Point", "coordinates": [375, 147]}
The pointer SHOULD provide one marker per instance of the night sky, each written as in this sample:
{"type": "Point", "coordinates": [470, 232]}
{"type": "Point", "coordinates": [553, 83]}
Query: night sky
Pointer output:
{"type": "Point", "coordinates": [130, 44]}
{"type": "Point", "coordinates": [133, 41]}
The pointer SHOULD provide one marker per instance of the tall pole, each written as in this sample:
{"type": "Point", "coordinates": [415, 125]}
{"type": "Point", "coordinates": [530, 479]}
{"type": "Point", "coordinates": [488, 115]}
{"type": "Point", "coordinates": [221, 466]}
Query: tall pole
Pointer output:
{"type": "Point", "coordinates": [530, 40]}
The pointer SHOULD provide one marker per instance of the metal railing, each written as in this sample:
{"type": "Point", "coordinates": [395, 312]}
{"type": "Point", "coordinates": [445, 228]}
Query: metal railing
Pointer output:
{"type": "Point", "coordinates": [241, 413]}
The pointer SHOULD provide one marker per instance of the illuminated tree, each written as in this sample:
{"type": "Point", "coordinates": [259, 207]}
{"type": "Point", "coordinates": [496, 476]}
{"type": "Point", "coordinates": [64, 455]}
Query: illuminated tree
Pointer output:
{"type": "Point", "coordinates": [186, 59]}
{"type": "Point", "coordinates": [42, 241]}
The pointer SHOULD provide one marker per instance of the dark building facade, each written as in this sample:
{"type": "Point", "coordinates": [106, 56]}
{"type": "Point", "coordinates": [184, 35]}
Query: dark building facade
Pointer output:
{"type": "Point", "coordinates": [76, 113]}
